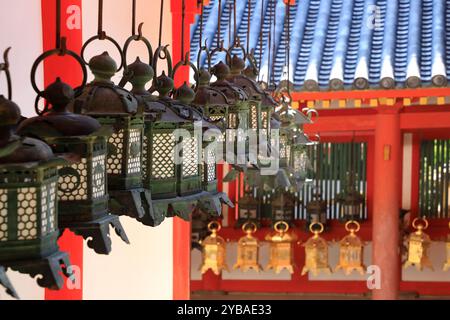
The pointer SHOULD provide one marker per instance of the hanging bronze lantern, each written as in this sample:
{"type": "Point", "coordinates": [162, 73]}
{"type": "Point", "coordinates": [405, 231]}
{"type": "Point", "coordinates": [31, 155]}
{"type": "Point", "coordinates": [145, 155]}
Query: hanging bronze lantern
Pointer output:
{"type": "Point", "coordinates": [447, 264]}
{"type": "Point", "coordinates": [248, 249]}
{"type": "Point", "coordinates": [28, 203]}
{"type": "Point", "coordinates": [248, 209]}
{"type": "Point", "coordinates": [351, 250]}
{"type": "Point", "coordinates": [199, 227]}
{"type": "Point", "coordinates": [281, 248]}
{"type": "Point", "coordinates": [214, 251]}
{"type": "Point", "coordinates": [418, 245]}
{"type": "Point", "coordinates": [316, 210]}
{"type": "Point", "coordinates": [117, 110]}
{"type": "Point", "coordinates": [4, 281]}
{"type": "Point", "coordinates": [82, 194]}
{"type": "Point", "coordinates": [316, 249]}
{"type": "Point", "coordinates": [283, 207]}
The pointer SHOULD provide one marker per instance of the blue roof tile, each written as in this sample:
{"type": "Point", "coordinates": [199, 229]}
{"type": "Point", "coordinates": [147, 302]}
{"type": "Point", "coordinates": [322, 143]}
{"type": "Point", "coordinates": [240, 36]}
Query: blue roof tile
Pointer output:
{"type": "Point", "coordinates": [340, 43]}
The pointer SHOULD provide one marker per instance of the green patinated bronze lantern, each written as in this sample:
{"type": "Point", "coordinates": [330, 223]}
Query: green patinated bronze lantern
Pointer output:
{"type": "Point", "coordinates": [249, 210]}
{"type": "Point", "coordinates": [116, 109]}
{"type": "Point", "coordinates": [316, 210]}
{"type": "Point", "coordinates": [28, 204]}
{"type": "Point", "coordinates": [350, 200]}
{"type": "Point", "coordinates": [238, 115]}
{"type": "Point", "coordinates": [82, 193]}
{"type": "Point", "coordinates": [283, 207]}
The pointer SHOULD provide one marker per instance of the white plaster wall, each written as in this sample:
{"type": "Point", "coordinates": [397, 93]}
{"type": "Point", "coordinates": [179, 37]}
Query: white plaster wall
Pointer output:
{"type": "Point", "coordinates": [142, 270]}
{"type": "Point", "coordinates": [21, 29]}
{"type": "Point", "coordinates": [20, 22]}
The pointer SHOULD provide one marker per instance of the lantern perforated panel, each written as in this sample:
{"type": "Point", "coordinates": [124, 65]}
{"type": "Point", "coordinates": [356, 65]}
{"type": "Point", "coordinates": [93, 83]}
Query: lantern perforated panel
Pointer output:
{"type": "Point", "coordinates": [48, 208]}
{"type": "Point", "coordinates": [211, 165]}
{"type": "Point", "coordinates": [190, 154]}
{"type": "Point", "coordinates": [300, 161]}
{"type": "Point", "coordinates": [145, 155]}
{"type": "Point", "coordinates": [284, 148]}
{"type": "Point", "coordinates": [254, 117]}
{"type": "Point", "coordinates": [232, 121]}
{"type": "Point", "coordinates": [163, 163]}
{"type": "Point", "coordinates": [98, 176]}
{"type": "Point", "coordinates": [3, 215]}
{"type": "Point", "coordinates": [26, 214]}
{"type": "Point", "coordinates": [264, 120]}
{"type": "Point", "coordinates": [134, 152]}
{"type": "Point", "coordinates": [115, 153]}
{"type": "Point", "coordinates": [73, 182]}
{"type": "Point", "coordinates": [216, 118]}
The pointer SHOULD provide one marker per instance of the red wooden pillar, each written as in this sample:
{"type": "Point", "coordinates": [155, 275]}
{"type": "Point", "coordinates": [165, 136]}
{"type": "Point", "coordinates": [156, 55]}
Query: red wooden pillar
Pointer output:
{"type": "Point", "coordinates": [181, 229]}
{"type": "Point", "coordinates": [386, 202]}
{"type": "Point", "coordinates": [70, 72]}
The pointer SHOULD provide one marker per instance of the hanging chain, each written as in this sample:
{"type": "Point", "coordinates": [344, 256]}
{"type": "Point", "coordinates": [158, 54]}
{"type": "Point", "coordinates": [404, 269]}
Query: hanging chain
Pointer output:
{"type": "Point", "coordinates": [261, 39]}
{"type": "Point", "coordinates": [161, 20]}
{"type": "Point", "coordinates": [219, 20]}
{"type": "Point", "coordinates": [183, 17]}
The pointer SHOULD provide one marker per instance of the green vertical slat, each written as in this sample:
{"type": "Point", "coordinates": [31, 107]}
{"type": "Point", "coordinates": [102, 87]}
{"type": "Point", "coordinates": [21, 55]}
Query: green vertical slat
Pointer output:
{"type": "Point", "coordinates": [364, 177]}
{"type": "Point", "coordinates": [435, 199]}
{"type": "Point", "coordinates": [441, 178]}
{"type": "Point", "coordinates": [327, 179]}
{"type": "Point", "coordinates": [425, 180]}
{"type": "Point", "coordinates": [421, 178]}
{"type": "Point", "coordinates": [446, 178]}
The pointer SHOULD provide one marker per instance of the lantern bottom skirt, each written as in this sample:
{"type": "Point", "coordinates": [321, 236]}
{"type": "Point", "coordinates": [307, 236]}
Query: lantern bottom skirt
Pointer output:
{"type": "Point", "coordinates": [51, 268]}
{"type": "Point", "coordinates": [97, 232]}
{"type": "Point", "coordinates": [4, 281]}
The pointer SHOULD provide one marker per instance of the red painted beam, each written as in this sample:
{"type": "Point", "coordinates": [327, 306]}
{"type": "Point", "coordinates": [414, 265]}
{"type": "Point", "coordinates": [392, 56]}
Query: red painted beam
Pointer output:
{"type": "Point", "coordinates": [425, 120]}
{"type": "Point", "coordinates": [370, 94]}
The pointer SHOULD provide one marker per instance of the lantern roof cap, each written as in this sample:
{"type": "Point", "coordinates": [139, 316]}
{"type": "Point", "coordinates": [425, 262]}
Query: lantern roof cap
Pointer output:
{"type": "Point", "coordinates": [185, 94]}
{"type": "Point", "coordinates": [9, 112]}
{"type": "Point", "coordinates": [237, 64]}
{"type": "Point", "coordinates": [58, 121]}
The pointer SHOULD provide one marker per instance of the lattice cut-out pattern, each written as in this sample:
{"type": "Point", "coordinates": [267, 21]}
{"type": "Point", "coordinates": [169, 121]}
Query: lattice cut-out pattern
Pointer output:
{"type": "Point", "coordinates": [232, 121]}
{"type": "Point", "coordinates": [73, 183]}
{"type": "Point", "coordinates": [115, 152]}
{"type": "Point", "coordinates": [163, 160]}
{"type": "Point", "coordinates": [211, 164]}
{"type": "Point", "coordinates": [144, 156]}
{"type": "Point", "coordinates": [26, 214]}
{"type": "Point", "coordinates": [3, 215]}
{"type": "Point", "coordinates": [216, 118]}
{"type": "Point", "coordinates": [285, 149]}
{"type": "Point", "coordinates": [190, 157]}
{"type": "Point", "coordinates": [264, 120]}
{"type": "Point", "coordinates": [98, 176]}
{"type": "Point", "coordinates": [48, 205]}
{"type": "Point", "coordinates": [134, 151]}
{"type": "Point", "coordinates": [253, 117]}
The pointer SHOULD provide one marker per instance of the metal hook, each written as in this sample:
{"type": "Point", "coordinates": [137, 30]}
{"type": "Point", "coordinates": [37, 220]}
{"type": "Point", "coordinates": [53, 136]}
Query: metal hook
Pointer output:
{"type": "Point", "coordinates": [5, 67]}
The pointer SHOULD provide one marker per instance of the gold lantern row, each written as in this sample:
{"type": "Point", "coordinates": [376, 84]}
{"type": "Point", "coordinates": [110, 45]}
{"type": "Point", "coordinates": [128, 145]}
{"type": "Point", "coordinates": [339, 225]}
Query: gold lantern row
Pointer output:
{"type": "Point", "coordinates": [281, 257]}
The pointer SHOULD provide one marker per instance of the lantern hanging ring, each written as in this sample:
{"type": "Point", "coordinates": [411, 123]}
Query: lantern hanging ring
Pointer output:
{"type": "Point", "coordinates": [185, 62]}
{"type": "Point", "coordinates": [421, 226]}
{"type": "Point", "coordinates": [311, 113]}
{"type": "Point", "coordinates": [137, 37]}
{"type": "Point", "coordinates": [41, 58]}
{"type": "Point", "coordinates": [250, 227]}
{"type": "Point", "coordinates": [101, 35]}
{"type": "Point", "coordinates": [214, 226]}
{"type": "Point", "coordinates": [219, 49]}
{"type": "Point", "coordinates": [352, 230]}
{"type": "Point", "coordinates": [204, 49]}
{"type": "Point", "coordinates": [237, 45]}
{"type": "Point", "coordinates": [162, 53]}
{"type": "Point", "coordinates": [5, 67]}
{"type": "Point", "coordinates": [316, 231]}
{"type": "Point", "coordinates": [277, 227]}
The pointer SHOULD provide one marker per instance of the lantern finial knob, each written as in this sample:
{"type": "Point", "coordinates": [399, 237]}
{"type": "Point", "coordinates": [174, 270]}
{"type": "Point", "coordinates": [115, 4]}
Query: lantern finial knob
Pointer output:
{"type": "Point", "coordinates": [103, 67]}
{"type": "Point", "coordinates": [164, 84]}
{"type": "Point", "coordinates": [221, 71]}
{"type": "Point", "coordinates": [142, 73]}
{"type": "Point", "coordinates": [185, 94]}
{"type": "Point", "coordinates": [59, 95]}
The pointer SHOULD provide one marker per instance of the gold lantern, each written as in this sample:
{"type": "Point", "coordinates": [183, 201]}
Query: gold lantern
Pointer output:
{"type": "Point", "coordinates": [418, 244]}
{"type": "Point", "coordinates": [447, 264]}
{"type": "Point", "coordinates": [281, 248]}
{"type": "Point", "coordinates": [248, 249]}
{"type": "Point", "coordinates": [213, 250]}
{"type": "Point", "coordinates": [351, 250]}
{"type": "Point", "coordinates": [316, 249]}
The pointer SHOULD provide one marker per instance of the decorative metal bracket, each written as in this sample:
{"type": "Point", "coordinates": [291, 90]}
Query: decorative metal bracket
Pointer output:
{"type": "Point", "coordinates": [51, 269]}
{"type": "Point", "coordinates": [97, 233]}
